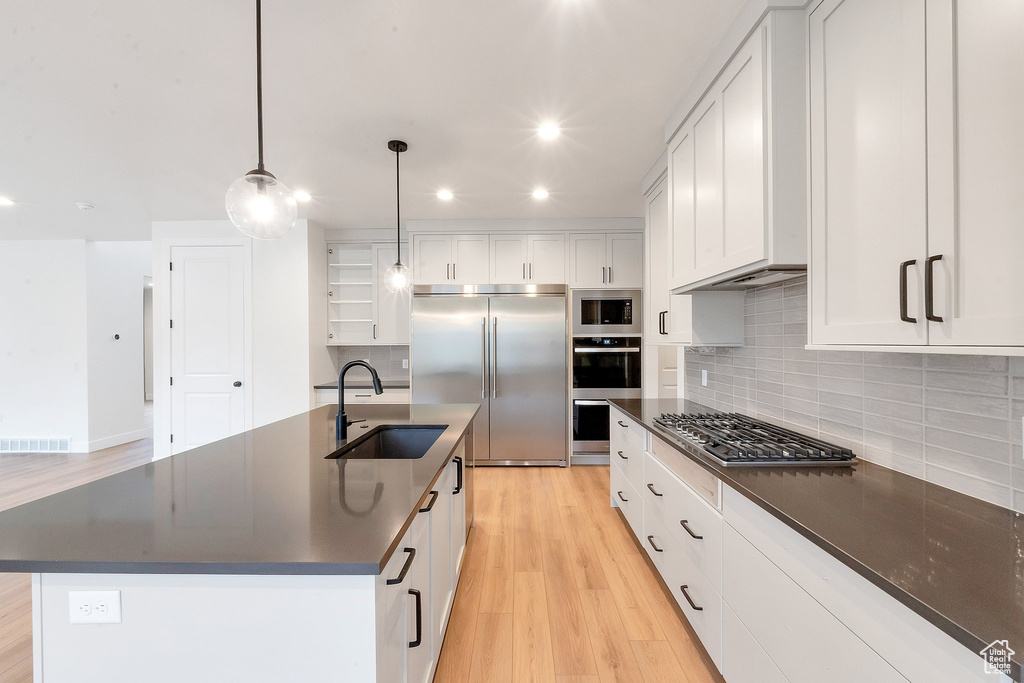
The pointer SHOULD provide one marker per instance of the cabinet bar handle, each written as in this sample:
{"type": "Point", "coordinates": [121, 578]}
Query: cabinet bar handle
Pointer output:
{"type": "Point", "coordinates": [405, 567]}
{"type": "Point", "coordinates": [609, 274]}
{"type": "Point", "coordinates": [531, 270]}
{"type": "Point", "coordinates": [686, 526]}
{"type": "Point", "coordinates": [430, 505]}
{"type": "Point", "coordinates": [524, 270]}
{"type": "Point", "coordinates": [622, 424]}
{"type": "Point", "coordinates": [602, 275]}
{"type": "Point", "coordinates": [419, 618]}
{"type": "Point", "coordinates": [454, 276]}
{"type": "Point", "coordinates": [447, 271]}
{"type": "Point", "coordinates": [494, 357]}
{"type": "Point", "coordinates": [374, 330]}
{"type": "Point", "coordinates": [651, 487]}
{"type": "Point", "coordinates": [650, 539]}
{"type": "Point", "coordinates": [483, 357]}
{"type": "Point", "coordinates": [690, 600]}
{"type": "Point", "coordinates": [903, 291]}
{"type": "Point", "coordinates": [624, 500]}
{"type": "Point", "coordinates": [929, 289]}
{"type": "Point", "coordinates": [458, 479]}
{"type": "Point", "coordinates": [624, 457]}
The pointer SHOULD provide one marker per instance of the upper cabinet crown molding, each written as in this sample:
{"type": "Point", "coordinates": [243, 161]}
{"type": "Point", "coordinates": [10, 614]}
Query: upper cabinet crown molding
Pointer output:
{"type": "Point", "coordinates": [916, 166]}
{"type": "Point", "coordinates": [737, 164]}
{"type": "Point", "coordinates": [495, 226]}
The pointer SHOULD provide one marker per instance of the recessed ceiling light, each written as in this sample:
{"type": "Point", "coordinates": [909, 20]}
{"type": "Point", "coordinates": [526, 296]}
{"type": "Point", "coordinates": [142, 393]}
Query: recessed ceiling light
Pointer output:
{"type": "Point", "coordinates": [444, 195]}
{"type": "Point", "coordinates": [302, 195]}
{"type": "Point", "coordinates": [4, 201]}
{"type": "Point", "coordinates": [540, 193]}
{"type": "Point", "coordinates": [85, 206]}
{"type": "Point", "coordinates": [549, 131]}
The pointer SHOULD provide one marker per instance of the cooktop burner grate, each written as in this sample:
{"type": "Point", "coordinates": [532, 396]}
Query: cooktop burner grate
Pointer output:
{"type": "Point", "coordinates": [740, 440]}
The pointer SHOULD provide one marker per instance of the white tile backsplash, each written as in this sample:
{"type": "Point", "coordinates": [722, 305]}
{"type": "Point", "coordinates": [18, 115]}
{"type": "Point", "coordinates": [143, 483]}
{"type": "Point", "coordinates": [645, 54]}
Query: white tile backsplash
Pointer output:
{"type": "Point", "coordinates": [952, 420]}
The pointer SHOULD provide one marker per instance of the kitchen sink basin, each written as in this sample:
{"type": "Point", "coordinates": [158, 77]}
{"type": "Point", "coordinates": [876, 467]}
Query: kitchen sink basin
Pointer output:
{"type": "Point", "coordinates": [392, 442]}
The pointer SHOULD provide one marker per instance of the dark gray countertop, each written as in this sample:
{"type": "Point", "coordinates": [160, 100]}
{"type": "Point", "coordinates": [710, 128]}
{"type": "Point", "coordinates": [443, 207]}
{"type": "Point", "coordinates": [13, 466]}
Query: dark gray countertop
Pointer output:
{"type": "Point", "coordinates": [355, 384]}
{"type": "Point", "coordinates": [267, 501]}
{"type": "Point", "coordinates": [955, 560]}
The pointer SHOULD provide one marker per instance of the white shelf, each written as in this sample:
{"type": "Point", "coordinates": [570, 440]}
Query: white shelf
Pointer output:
{"type": "Point", "coordinates": [352, 264]}
{"type": "Point", "coordinates": [342, 284]}
{"type": "Point", "coordinates": [352, 301]}
{"type": "Point", "coordinates": [353, 320]}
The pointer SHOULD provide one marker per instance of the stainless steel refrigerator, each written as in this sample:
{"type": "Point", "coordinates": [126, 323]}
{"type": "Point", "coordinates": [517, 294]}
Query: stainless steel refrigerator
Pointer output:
{"type": "Point", "coordinates": [505, 347]}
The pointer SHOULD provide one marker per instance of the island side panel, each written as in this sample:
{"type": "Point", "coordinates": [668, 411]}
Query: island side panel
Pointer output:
{"type": "Point", "coordinates": [180, 627]}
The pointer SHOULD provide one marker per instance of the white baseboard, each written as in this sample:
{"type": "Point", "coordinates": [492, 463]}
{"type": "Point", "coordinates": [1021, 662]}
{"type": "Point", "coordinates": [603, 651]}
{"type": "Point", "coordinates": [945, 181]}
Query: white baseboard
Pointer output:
{"type": "Point", "coordinates": [118, 439]}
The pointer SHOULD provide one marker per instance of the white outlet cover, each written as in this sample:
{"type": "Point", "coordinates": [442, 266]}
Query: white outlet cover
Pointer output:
{"type": "Point", "coordinates": [405, 363]}
{"type": "Point", "coordinates": [703, 378]}
{"type": "Point", "coordinates": [94, 607]}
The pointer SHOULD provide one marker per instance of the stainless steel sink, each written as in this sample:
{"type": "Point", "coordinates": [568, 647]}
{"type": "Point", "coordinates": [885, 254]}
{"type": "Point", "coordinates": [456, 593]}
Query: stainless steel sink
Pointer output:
{"type": "Point", "coordinates": [392, 442]}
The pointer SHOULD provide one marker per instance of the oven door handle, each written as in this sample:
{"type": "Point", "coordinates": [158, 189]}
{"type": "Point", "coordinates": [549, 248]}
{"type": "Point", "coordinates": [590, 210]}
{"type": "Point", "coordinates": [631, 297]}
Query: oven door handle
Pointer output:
{"type": "Point", "coordinates": [602, 349]}
{"type": "Point", "coordinates": [589, 403]}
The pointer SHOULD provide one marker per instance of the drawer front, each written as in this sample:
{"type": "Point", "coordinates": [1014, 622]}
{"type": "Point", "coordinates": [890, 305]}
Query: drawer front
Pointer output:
{"type": "Point", "coordinates": [627, 427]}
{"type": "Point", "coordinates": [367, 396]}
{"type": "Point", "coordinates": [414, 538]}
{"type": "Point", "coordinates": [806, 641]}
{"type": "Point", "coordinates": [744, 661]}
{"type": "Point", "coordinates": [627, 453]}
{"type": "Point", "coordinates": [677, 570]}
{"type": "Point", "coordinates": [699, 479]}
{"type": "Point", "coordinates": [628, 500]}
{"type": "Point", "coordinates": [692, 522]}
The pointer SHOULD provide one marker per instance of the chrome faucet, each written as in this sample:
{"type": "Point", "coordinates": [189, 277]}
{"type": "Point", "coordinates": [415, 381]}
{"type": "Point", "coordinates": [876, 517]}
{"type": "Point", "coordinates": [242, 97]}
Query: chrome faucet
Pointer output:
{"type": "Point", "coordinates": [342, 422]}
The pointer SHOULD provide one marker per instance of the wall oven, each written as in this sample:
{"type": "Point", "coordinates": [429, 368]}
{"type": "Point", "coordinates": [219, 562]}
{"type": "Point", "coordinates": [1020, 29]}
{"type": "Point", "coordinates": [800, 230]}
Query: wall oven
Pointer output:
{"type": "Point", "coordinates": [602, 368]}
{"type": "Point", "coordinates": [606, 312]}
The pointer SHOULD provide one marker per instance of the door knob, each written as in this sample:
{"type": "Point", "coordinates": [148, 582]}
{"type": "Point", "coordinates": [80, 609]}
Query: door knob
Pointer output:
{"type": "Point", "coordinates": [238, 384]}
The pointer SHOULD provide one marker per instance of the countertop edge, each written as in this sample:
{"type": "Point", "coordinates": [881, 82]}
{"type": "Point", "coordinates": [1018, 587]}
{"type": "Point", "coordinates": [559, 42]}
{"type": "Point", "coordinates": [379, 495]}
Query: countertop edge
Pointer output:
{"type": "Point", "coordinates": [922, 609]}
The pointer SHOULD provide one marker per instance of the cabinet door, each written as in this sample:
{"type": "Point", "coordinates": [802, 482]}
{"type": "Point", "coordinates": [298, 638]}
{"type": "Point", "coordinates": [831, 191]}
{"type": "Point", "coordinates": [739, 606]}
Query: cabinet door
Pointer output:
{"type": "Point", "coordinates": [441, 588]}
{"type": "Point", "coordinates": [868, 176]}
{"type": "Point", "coordinates": [508, 259]}
{"type": "Point", "coordinates": [626, 260]}
{"type": "Point", "coordinates": [587, 260]}
{"type": "Point", "coordinates": [656, 309]}
{"type": "Point", "coordinates": [432, 259]}
{"type": "Point", "coordinates": [976, 168]}
{"type": "Point", "coordinates": [458, 514]}
{"type": "Point", "coordinates": [742, 100]}
{"type": "Point", "coordinates": [682, 219]}
{"type": "Point", "coordinates": [546, 259]}
{"type": "Point", "coordinates": [392, 643]}
{"type": "Point", "coordinates": [471, 259]}
{"type": "Point", "coordinates": [391, 310]}
{"type": "Point", "coordinates": [707, 188]}
{"type": "Point", "coordinates": [420, 655]}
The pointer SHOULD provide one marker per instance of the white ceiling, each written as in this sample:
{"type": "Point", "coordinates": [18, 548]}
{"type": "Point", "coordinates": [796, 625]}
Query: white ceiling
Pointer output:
{"type": "Point", "coordinates": [147, 109]}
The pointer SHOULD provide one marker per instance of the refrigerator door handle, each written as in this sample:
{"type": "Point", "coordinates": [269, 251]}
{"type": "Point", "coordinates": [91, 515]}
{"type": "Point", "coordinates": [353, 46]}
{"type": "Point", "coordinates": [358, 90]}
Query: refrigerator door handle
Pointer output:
{"type": "Point", "coordinates": [494, 357]}
{"type": "Point", "coordinates": [483, 357]}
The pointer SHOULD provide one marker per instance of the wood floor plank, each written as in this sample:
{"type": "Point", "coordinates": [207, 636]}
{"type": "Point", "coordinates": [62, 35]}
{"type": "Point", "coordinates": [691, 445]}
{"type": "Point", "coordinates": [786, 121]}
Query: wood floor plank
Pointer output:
{"type": "Point", "coordinates": [638, 619]}
{"type": "Point", "coordinates": [492, 649]}
{"type": "Point", "coordinates": [570, 639]}
{"type": "Point", "coordinates": [616, 662]}
{"type": "Point", "coordinates": [657, 662]}
{"type": "Point", "coordinates": [578, 678]}
{"type": "Point", "coordinates": [532, 660]}
{"type": "Point", "coordinates": [585, 559]}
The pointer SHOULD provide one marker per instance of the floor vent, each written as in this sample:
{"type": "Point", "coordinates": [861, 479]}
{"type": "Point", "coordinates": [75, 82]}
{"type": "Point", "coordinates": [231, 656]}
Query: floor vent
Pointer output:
{"type": "Point", "coordinates": [35, 444]}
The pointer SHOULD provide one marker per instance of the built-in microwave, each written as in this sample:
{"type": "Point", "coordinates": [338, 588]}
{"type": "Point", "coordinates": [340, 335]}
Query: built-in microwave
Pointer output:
{"type": "Point", "coordinates": [606, 312]}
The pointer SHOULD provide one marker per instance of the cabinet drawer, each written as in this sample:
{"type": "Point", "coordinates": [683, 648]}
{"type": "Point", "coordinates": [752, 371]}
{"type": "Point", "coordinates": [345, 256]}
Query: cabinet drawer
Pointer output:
{"type": "Point", "coordinates": [628, 500]}
{"type": "Point", "coordinates": [629, 456]}
{"type": "Point", "coordinates": [686, 517]}
{"type": "Point", "coordinates": [626, 427]}
{"type": "Point", "coordinates": [805, 640]}
{"type": "Point", "coordinates": [415, 537]}
{"type": "Point", "coordinates": [699, 479]}
{"type": "Point", "coordinates": [705, 614]}
{"type": "Point", "coordinates": [367, 396]}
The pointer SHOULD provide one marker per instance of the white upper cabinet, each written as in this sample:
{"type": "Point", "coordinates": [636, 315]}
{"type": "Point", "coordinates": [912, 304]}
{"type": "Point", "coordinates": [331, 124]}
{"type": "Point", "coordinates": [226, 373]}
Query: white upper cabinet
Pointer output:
{"type": "Point", "coordinates": [609, 261]}
{"type": "Point", "coordinates": [450, 259]}
{"type": "Point", "coordinates": [976, 171]}
{"type": "Point", "coordinates": [737, 184]}
{"type": "Point", "coordinates": [361, 310]}
{"type": "Point", "coordinates": [868, 182]}
{"type": "Point", "coordinates": [534, 259]}
{"type": "Point", "coordinates": [656, 296]}
{"type": "Point", "coordinates": [470, 259]}
{"type": "Point", "coordinates": [917, 160]}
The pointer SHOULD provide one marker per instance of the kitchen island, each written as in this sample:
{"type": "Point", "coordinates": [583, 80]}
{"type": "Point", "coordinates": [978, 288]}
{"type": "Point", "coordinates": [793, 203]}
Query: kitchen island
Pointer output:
{"type": "Point", "coordinates": [260, 557]}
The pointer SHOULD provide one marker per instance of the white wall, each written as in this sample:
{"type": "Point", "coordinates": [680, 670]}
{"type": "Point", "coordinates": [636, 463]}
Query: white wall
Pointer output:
{"type": "Point", "coordinates": [147, 336]}
{"type": "Point", "coordinates": [280, 292]}
{"type": "Point", "coordinates": [114, 281]}
{"type": "Point", "coordinates": [43, 354]}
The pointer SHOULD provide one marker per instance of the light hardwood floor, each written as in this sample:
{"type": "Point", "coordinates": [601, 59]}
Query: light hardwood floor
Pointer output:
{"type": "Point", "coordinates": [26, 477]}
{"type": "Point", "coordinates": [553, 588]}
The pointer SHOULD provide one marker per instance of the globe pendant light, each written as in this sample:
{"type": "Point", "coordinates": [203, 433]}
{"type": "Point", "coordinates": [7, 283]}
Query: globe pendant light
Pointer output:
{"type": "Point", "coordinates": [398, 278]}
{"type": "Point", "coordinates": [259, 204]}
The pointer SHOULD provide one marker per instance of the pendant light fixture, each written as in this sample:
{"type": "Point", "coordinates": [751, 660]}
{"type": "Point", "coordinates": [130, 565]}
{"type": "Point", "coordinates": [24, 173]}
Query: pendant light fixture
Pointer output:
{"type": "Point", "coordinates": [398, 278]}
{"type": "Point", "coordinates": [259, 204]}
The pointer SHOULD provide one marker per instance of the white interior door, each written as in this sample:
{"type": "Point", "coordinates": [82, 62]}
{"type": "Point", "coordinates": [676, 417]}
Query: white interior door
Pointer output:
{"type": "Point", "coordinates": [976, 170]}
{"type": "Point", "coordinates": [868, 174]}
{"type": "Point", "coordinates": [208, 356]}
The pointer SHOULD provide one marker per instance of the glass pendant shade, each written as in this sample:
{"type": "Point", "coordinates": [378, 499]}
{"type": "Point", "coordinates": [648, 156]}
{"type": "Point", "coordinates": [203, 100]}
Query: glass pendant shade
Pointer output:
{"type": "Point", "coordinates": [398, 278]}
{"type": "Point", "coordinates": [261, 206]}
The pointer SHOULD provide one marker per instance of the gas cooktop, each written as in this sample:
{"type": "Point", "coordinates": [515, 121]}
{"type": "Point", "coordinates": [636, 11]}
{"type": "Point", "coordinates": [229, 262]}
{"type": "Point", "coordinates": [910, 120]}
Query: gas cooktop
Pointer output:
{"type": "Point", "coordinates": [735, 439]}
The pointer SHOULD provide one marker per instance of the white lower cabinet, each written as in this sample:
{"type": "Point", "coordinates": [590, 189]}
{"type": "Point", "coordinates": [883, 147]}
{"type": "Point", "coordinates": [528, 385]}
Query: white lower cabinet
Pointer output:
{"type": "Point", "coordinates": [744, 661]}
{"type": "Point", "coordinates": [326, 397]}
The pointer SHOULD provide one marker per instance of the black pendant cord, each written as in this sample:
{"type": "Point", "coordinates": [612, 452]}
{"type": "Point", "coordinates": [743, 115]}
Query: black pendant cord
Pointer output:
{"type": "Point", "coordinates": [259, 81]}
{"type": "Point", "coordinates": [398, 205]}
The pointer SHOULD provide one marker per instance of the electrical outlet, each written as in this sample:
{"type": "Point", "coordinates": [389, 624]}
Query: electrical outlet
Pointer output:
{"type": "Point", "coordinates": [405, 363]}
{"type": "Point", "coordinates": [94, 607]}
{"type": "Point", "coordinates": [703, 378]}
